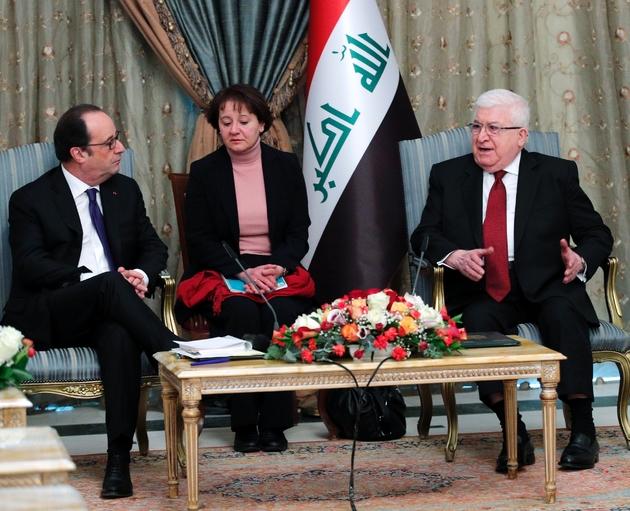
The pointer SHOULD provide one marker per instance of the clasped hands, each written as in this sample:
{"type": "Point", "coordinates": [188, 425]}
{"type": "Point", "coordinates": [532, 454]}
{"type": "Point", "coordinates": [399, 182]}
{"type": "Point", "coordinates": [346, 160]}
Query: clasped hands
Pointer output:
{"type": "Point", "coordinates": [470, 263]}
{"type": "Point", "coordinates": [264, 276]}
{"type": "Point", "coordinates": [136, 279]}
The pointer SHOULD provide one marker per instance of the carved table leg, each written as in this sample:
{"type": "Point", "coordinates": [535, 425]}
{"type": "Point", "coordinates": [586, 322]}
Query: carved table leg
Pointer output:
{"type": "Point", "coordinates": [169, 401]}
{"type": "Point", "coordinates": [509, 390]}
{"type": "Point", "coordinates": [448, 395]}
{"type": "Point", "coordinates": [549, 397]}
{"type": "Point", "coordinates": [190, 414]}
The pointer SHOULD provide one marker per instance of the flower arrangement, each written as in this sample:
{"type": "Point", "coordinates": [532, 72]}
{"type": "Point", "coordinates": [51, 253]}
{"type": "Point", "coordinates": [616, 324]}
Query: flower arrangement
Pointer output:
{"type": "Point", "coordinates": [366, 321]}
{"type": "Point", "coordinates": [15, 351]}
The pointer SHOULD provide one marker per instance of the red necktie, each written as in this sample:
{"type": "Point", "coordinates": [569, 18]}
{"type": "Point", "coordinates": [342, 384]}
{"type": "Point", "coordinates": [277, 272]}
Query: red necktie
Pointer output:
{"type": "Point", "coordinates": [495, 235]}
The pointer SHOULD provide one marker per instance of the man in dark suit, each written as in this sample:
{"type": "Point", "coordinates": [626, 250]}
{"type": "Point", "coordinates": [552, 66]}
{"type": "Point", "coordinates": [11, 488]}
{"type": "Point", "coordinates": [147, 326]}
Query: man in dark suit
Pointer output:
{"type": "Point", "coordinates": [72, 288]}
{"type": "Point", "coordinates": [500, 220]}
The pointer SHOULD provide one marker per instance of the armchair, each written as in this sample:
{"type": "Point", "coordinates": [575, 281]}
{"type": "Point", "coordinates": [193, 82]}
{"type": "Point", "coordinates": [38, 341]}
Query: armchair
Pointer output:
{"type": "Point", "coordinates": [608, 343]}
{"type": "Point", "coordinates": [70, 372]}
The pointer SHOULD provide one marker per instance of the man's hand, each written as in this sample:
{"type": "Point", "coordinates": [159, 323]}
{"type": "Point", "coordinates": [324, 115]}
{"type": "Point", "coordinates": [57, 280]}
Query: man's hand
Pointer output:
{"type": "Point", "coordinates": [136, 279]}
{"type": "Point", "coordinates": [573, 263]}
{"type": "Point", "coordinates": [469, 262]}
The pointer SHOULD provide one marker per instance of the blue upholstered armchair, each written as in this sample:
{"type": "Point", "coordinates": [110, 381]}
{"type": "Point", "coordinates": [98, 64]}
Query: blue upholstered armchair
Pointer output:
{"type": "Point", "coordinates": [608, 343]}
{"type": "Point", "coordinates": [71, 372]}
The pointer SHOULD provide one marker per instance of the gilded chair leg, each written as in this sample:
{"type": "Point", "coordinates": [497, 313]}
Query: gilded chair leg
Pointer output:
{"type": "Point", "coordinates": [623, 364]}
{"type": "Point", "coordinates": [141, 425]}
{"type": "Point", "coordinates": [448, 395]}
{"type": "Point", "coordinates": [426, 410]}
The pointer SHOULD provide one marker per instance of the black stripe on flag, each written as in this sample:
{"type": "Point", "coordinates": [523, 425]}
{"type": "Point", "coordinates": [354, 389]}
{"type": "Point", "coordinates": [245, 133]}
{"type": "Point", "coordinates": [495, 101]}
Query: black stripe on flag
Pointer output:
{"type": "Point", "coordinates": [365, 239]}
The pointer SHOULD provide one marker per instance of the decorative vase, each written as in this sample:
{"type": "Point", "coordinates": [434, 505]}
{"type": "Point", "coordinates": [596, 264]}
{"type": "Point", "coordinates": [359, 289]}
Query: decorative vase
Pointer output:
{"type": "Point", "coordinates": [376, 356]}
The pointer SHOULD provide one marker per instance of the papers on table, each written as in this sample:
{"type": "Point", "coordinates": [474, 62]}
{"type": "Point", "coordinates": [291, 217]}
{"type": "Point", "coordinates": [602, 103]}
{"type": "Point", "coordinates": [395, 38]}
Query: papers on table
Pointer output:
{"type": "Point", "coordinates": [214, 347]}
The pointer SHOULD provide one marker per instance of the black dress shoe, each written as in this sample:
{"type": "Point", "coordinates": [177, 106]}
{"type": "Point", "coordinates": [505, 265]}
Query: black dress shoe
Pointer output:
{"type": "Point", "coordinates": [524, 454]}
{"type": "Point", "coordinates": [272, 440]}
{"type": "Point", "coordinates": [581, 453]}
{"type": "Point", "coordinates": [247, 441]}
{"type": "Point", "coordinates": [117, 482]}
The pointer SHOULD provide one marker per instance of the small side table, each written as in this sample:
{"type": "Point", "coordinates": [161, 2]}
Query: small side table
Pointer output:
{"type": "Point", "coordinates": [35, 498]}
{"type": "Point", "coordinates": [13, 407]}
{"type": "Point", "coordinates": [33, 457]}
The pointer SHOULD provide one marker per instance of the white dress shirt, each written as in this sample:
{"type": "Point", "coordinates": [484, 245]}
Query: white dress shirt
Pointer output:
{"type": "Point", "coordinates": [92, 252]}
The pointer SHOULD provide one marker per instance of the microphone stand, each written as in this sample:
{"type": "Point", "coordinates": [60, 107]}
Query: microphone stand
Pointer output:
{"type": "Point", "coordinates": [423, 249]}
{"type": "Point", "coordinates": [233, 255]}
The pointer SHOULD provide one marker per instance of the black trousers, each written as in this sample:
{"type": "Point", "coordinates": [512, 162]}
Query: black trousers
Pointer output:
{"type": "Point", "coordinates": [105, 313]}
{"type": "Point", "coordinates": [562, 327]}
{"type": "Point", "coordinates": [240, 316]}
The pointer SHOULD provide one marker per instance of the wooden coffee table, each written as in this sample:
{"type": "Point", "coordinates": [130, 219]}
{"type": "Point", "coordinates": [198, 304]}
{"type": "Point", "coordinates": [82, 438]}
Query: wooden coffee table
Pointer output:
{"type": "Point", "coordinates": [529, 360]}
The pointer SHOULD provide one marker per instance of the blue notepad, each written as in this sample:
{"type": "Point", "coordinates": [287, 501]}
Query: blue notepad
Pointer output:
{"type": "Point", "coordinates": [238, 286]}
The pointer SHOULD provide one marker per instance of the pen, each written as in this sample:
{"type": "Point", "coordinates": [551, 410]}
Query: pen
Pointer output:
{"type": "Point", "coordinates": [209, 361]}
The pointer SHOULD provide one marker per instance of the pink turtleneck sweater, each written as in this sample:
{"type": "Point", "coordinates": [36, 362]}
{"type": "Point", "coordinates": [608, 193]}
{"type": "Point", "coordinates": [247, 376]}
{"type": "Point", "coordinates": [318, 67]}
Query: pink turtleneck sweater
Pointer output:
{"type": "Point", "coordinates": [251, 201]}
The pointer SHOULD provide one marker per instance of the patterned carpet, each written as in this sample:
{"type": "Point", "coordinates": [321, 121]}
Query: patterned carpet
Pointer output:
{"type": "Point", "coordinates": [408, 474]}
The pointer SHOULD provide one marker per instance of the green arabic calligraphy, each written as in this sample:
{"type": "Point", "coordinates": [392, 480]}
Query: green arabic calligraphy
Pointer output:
{"type": "Point", "coordinates": [336, 128]}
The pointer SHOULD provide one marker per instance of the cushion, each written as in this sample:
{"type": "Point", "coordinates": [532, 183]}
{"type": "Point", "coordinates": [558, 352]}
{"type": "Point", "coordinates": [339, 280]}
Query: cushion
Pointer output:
{"type": "Point", "coordinates": [607, 337]}
{"type": "Point", "coordinates": [72, 365]}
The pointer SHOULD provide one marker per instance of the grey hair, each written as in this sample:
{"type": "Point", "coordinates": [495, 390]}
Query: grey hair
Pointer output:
{"type": "Point", "coordinates": [502, 97]}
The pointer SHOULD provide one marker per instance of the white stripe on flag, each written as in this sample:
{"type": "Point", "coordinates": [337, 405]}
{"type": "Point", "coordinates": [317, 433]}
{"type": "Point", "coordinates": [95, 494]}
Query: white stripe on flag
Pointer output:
{"type": "Point", "coordinates": [351, 91]}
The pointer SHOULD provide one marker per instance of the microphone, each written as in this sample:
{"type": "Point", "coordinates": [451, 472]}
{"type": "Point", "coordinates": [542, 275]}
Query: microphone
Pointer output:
{"type": "Point", "coordinates": [423, 249]}
{"type": "Point", "coordinates": [233, 255]}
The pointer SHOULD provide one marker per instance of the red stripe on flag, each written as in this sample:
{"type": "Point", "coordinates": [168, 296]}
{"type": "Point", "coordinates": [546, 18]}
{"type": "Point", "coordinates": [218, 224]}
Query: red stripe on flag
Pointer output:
{"type": "Point", "coordinates": [323, 17]}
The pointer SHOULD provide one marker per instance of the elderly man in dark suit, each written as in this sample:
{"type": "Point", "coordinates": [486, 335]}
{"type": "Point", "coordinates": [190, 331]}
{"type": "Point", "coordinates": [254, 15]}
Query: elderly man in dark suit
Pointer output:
{"type": "Point", "coordinates": [500, 221]}
{"type": "Point", "coordinates": [79, 281]}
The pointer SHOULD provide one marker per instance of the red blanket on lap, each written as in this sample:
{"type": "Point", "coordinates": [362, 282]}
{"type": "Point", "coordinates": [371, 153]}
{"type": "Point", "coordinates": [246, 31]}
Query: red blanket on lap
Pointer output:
{"type": "Point", "coordinates": [209, 285]}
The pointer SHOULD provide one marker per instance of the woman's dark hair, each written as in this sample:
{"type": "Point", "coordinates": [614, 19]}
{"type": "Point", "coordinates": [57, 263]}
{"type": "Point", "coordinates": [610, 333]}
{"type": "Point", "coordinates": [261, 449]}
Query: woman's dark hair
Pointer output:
{"type": "Point", "coordinates": [71, 131]}
{"type": "Point", "coordinates": [242, 95]}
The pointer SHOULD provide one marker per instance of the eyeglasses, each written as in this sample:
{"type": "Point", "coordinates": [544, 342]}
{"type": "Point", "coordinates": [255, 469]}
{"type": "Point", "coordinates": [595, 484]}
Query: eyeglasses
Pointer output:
{"type": "Point", "coordinates": [110, 143]}
{"type": "Point", "coordinates": [491, 129]}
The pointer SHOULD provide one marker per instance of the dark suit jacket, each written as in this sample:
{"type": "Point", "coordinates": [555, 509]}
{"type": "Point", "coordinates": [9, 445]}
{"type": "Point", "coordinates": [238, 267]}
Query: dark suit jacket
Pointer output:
{"type": "Point", "coordinates": [212, 215]}
{"type": "Point", "coordinates": [550, 205]}
{"type": "Point", "coordinates": [45, 236]}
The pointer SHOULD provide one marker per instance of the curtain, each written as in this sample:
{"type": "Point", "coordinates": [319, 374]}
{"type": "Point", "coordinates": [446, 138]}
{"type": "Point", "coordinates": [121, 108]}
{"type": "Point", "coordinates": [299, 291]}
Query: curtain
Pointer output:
{"type": "Point", "coordinates": [209, 44]}
{"type": "Point", "coordinates": [59, 53]}
{"type": "Point", "coordinates": [570, 60]}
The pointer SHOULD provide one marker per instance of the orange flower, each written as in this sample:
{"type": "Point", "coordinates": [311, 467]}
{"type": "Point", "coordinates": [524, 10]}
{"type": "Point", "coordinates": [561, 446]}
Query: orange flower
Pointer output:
{"type": "Point", "coordinates": [409, 325]}
{"type": "Point", "coordinates": [399, 307]}
{"type": "Point", "coordinates": [349, 332]}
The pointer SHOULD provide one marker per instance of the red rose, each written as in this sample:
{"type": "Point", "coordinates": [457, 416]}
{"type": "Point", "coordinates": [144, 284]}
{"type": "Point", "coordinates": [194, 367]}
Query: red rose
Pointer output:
{"type": "Point", "coordinates": [401, 331]}
{"type": "Point", "coordinates": [359, 354]}
{"type": "Point", "coordinates": [31, 352]}
{"type": "Point", "coordinates": [372, 291]}
{"type": "Point", "coordinates": [307, 356]}
{"type": "Point", "coordinates": [423, 346]}
{"type": "Point", "coordinates": [399, 353]}
{"type": "Point", "coordinates": [339, 350]}
{"type": "Point", "coordinates": [356, 293]}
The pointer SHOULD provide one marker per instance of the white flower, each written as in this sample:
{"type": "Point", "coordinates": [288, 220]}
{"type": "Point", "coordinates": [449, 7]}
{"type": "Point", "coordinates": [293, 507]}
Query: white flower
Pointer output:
{"type": "Point", "coordinates": [430, 318]}
{"type": "Point", "coordinates": [10, 343]}
{"type": "Point", "coordinates": [376, 316]}
{"type": "Point", "coordinates": [378, 301]}
{"type": "Point", "coordinates": [310, 321]}
{"type": "Point", "coordinates": [415, 301]}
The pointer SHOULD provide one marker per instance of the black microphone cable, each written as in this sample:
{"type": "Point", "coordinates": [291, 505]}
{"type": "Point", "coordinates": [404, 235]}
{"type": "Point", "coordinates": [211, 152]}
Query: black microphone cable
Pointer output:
{"type": "Point", "coordinates": [362, 391]}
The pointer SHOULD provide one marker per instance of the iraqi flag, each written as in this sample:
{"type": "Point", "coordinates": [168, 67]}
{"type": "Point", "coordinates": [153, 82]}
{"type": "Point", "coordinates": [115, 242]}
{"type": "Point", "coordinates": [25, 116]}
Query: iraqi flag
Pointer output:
{"type": "Point", "coordinates": [357, 111]}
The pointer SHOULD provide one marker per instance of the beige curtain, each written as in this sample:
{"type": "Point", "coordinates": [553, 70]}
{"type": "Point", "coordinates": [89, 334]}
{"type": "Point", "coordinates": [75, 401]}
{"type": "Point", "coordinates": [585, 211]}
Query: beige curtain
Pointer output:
{"type": "Point", "coordinates": [56, 54]}
{"type": "Point", "coordinates": [158, 26]}
{"type": "Point", "coordinates": [569, 59]}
